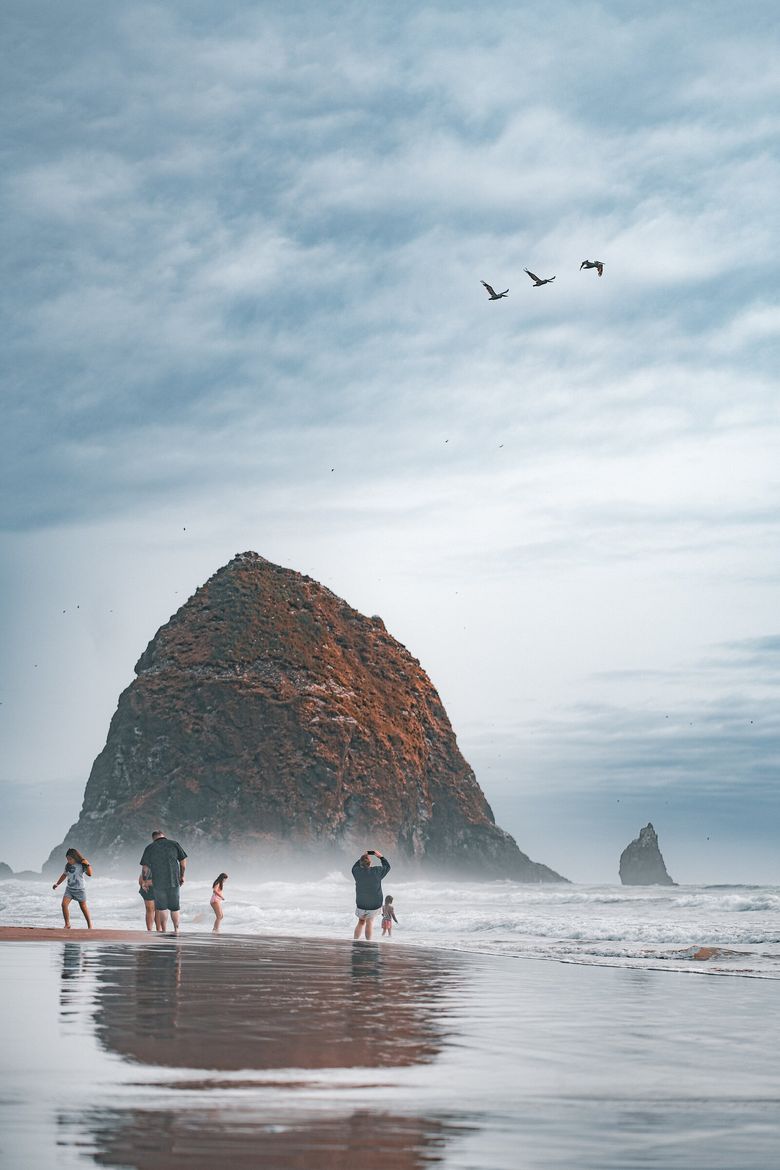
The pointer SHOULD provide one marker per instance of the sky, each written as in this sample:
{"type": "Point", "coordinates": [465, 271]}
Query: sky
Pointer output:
{"type": "Point", "coordinates": [243, 246]}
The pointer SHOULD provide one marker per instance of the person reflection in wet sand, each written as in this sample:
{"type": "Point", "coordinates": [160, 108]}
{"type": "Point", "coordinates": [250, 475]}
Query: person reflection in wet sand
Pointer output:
{"type": "Point", "coordinates": [270, 1004]}
{"type": "Point", "coordinates": [72, 968]}
{"type": "Point", "coordinates": [251, 1139]}
{"type": "Point", "coordinates": [265, 1005]}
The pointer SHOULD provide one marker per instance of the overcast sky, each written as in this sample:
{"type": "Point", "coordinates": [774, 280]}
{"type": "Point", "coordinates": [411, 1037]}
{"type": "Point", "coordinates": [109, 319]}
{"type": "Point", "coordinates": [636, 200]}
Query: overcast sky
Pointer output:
{"type": "Point", "coordinates": [243, 245]}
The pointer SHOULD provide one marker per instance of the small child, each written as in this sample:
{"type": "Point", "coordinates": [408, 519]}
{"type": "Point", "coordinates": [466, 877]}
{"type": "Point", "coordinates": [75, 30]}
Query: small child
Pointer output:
{"type": "Point", "coordinates": [146, 891]}
{"type": "Point", "coordinates": [76, 867]}
{"type": "Point", "coordinates": [216, 900]}
{"type": "Point", "coordinates": [388, 917]}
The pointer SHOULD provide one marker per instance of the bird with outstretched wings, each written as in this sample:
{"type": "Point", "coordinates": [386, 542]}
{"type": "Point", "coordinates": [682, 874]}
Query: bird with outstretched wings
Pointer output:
{"type": "Point", "coordinates": [492, 294]}
{"type": "Point", "coordinates": [538, 280]}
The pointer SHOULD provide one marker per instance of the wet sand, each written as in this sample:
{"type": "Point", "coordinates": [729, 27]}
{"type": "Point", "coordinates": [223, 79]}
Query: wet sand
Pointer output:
{"type": "Point", "coordinates": [310, 1055]}
{"type": "Point", "coordinates": [73, 934]}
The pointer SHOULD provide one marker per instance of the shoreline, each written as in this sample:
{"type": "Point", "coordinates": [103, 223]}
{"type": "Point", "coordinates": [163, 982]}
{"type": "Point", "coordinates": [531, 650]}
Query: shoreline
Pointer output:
{"type": "Point", "coordinates": [698, 957]}
{"type": "Point", "coordinates": [74, 934]}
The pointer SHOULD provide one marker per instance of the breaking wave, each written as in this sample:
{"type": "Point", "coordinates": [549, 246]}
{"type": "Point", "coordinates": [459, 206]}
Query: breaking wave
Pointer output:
{"type": "Point", "coordinates": [714, 929]}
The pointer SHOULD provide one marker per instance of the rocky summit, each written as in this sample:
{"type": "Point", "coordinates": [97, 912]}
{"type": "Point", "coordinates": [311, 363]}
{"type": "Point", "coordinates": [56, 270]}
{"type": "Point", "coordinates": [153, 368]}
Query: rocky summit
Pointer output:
{"type": "Point", "coordinates": [268, 720]}
{"type": "Point", "coordinates": [641, 863]}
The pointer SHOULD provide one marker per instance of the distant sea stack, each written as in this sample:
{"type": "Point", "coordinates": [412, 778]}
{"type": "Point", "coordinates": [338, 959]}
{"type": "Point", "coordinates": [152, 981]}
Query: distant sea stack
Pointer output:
{"type": "Point", "coordinates": [641, 863]}
{"type": "Point", "coordinates": [270, 719]}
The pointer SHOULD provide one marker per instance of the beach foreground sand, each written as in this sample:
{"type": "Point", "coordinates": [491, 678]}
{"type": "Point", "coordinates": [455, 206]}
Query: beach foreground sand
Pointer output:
{"type": "Point", "coordinates": [60, 934]}
{"type": "Point", "coordinates": [154, 1052]}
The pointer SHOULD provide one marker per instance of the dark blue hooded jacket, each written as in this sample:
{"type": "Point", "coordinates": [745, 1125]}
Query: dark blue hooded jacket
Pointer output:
{"type": "Point", "coordinates": [368, 884]}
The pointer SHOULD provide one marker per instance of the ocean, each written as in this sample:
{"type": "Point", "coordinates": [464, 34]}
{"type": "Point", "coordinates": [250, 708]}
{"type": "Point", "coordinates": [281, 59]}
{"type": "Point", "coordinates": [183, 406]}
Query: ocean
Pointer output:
{"type": "Point", "coordinates": [653, 927]}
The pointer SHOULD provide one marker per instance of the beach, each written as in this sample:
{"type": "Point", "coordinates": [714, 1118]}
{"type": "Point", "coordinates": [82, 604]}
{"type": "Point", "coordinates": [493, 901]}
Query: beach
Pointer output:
{"type": "Point", "coordinates": [308, 1054]}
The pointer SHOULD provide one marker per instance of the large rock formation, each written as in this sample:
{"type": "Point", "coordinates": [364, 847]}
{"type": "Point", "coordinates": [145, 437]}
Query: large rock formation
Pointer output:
{"type": "Point", "coordinates": [641, 863]}
{"type": "Point", "coordinates": [268, 716]}
{"type": "Point", "coordinates": [5, 871]}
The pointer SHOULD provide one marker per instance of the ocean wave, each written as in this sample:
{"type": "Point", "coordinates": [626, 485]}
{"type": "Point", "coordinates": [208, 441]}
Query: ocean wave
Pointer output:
{"type": "Point", "coordinates": [628, 926]}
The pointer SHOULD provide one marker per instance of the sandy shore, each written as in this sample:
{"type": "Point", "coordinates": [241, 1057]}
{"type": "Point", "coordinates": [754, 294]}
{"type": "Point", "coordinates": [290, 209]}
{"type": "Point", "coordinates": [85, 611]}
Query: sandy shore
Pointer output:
{"type": "Point", "coordinates": [60, 934]}
{"type": "Point", "coordinates": [275, 1053]}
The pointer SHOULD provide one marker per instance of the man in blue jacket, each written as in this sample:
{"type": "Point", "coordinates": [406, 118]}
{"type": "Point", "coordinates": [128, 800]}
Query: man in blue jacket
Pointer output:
{"type": "Point", "coordinates": [368, 890]}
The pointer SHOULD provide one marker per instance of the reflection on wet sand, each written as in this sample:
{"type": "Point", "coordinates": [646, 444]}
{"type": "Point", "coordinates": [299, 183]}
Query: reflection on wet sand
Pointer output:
{"type": "Point", "coordinates": [71, 983]}
{"type": "Point", "coordinates": [151, 1140]}
{"type": "Point", "coordinates": [271, 1004]}
{"type": "Point", "coordinates": [262, 1005]}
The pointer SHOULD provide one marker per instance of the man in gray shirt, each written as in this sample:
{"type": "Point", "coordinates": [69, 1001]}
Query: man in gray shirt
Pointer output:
{"type": "Point", "coordinates": [368, 890]}
{"type": "Point", "coordinates": [163, 864]}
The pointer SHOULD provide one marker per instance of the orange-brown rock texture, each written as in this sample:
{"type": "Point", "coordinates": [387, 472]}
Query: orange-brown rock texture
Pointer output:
{"type": "Point", "coordinates": [269, 717]}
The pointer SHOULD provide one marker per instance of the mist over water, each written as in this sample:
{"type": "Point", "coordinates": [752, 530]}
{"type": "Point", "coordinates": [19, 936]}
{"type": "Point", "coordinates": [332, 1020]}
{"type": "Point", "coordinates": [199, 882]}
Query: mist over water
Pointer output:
{"type": "Point", "coordinates": [650, 927]}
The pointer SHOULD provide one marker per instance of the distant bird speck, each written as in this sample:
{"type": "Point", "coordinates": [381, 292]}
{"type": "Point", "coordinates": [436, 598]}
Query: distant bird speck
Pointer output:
{"type": "Point", "coordinates": [597, 264]}
{"type": "Point", "coordinates": [492, 294]}
{"type": "Point", "coordinates": [538, 280]}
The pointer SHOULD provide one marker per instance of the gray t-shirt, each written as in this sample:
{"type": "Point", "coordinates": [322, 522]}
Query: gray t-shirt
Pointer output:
{"type": "Point", "coordinates": [75, 871]}
{"type": "Point", "coordinates": [162, 857]}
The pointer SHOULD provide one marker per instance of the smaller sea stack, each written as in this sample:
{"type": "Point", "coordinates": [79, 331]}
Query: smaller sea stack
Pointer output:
{"type": "Point", "coordinates": [641, 863]}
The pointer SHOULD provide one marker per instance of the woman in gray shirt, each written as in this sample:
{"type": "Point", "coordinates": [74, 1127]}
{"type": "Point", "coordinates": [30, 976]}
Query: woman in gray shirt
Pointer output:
{"type": "Point", "coordinates": [76, 869]}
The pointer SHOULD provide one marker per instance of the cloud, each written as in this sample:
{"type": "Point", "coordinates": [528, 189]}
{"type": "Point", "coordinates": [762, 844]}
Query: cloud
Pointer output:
{"type": "Point", "coordinates": [239, 224]}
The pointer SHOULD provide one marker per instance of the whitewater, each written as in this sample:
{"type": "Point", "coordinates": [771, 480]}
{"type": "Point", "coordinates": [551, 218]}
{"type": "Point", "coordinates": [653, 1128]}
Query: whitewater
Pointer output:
{"type": "Point", "coordinates": [639, 927]}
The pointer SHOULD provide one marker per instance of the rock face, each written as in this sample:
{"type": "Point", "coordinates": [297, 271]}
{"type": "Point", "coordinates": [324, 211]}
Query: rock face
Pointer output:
{"type": "Point", "coordinates": [5, 871]}
{"type": "Point", "coordinates": [641, 863]}
{"type": "Point", "coordinates": [268, 718]}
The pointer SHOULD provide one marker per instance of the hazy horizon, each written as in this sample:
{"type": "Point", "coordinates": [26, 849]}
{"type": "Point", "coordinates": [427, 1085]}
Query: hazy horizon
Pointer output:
{"type": "Point", "coordinates": [242, 310]}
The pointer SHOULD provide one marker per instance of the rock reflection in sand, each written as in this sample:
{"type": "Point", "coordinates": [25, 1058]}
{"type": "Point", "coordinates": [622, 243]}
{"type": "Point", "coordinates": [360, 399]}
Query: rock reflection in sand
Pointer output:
{"type": "Point", "coordinates": [271, 1004]}
{"type": "Point", "coordinates": [151, 1140]}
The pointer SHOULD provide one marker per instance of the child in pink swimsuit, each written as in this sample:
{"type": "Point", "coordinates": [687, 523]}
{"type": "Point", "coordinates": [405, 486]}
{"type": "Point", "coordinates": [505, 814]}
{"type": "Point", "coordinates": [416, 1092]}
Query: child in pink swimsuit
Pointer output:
{"type": "Point", "coordinates": [388, 917]}
{"type": "Point", "coordinates": [216, 900]}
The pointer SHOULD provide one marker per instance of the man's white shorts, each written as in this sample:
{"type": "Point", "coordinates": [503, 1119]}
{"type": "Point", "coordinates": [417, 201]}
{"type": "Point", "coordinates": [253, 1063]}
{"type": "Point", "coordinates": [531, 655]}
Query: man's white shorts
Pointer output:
{"type": "Point", "coordinates": [369, 915]}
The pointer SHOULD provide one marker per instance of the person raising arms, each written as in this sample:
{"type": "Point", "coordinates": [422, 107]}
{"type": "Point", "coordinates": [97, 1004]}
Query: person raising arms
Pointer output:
{"type": "Point", "coordinates": [368, 890]}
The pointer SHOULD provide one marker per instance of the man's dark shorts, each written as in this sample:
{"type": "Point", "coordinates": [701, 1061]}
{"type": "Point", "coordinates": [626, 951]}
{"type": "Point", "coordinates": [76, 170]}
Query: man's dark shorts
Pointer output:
{"type": "Point", "coordinates": [166, 899]}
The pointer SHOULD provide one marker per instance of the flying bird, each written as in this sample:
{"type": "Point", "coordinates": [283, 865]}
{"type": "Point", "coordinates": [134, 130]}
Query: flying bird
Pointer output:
{"type": "Point", "coordinates": [492, 294]}
{"type": "Point", "coordinates": [597, 264]}
{"type": "Point", "coordinates": [538, 282]}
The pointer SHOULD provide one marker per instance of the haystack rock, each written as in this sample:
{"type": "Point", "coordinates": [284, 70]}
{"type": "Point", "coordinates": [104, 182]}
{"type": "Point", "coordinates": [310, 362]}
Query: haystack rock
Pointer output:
{"type": "Point", "coordinates": [270, 720]}
{"type": "Point", "coordinates": [641, 863]}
